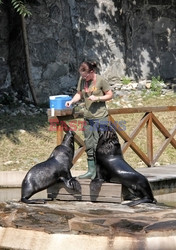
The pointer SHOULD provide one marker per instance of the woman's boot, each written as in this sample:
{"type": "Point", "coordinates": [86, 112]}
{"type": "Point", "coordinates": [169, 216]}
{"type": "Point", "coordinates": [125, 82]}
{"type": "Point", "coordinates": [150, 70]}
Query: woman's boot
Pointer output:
{"type": "Point", "coordinates": [91, 171]}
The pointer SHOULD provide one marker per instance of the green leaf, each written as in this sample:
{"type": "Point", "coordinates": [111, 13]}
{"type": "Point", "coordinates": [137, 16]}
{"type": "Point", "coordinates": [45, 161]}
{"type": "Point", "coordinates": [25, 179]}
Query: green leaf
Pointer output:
{"type": "Point", "coordinates": [16, 5]}
{"type": "Point", "coordinates": [18, 9]}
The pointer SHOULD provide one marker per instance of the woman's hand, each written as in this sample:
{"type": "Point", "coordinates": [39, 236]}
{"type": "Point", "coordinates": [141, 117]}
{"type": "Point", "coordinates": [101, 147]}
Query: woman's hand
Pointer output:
{"type": "Point", "coordinates": [106, 97]}
{"type": "Point", "coordinates": [75, 99]}
{"type": "Point", "coordinates": [93, 98]}
{"type": "Point", "coordinates": [68, 104]}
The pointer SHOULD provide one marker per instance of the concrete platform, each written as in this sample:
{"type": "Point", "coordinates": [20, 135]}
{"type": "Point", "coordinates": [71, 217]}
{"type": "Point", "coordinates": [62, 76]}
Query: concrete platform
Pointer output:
{"type": "Point", "coordinates": [162, 179]}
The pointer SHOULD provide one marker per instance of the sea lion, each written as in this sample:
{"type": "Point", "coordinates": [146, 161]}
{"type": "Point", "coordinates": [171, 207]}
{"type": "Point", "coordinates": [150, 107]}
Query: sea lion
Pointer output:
{"type": "Point", "coordinates": [111, 166]}
{"type": "Point", "coordinates": [56, 167]}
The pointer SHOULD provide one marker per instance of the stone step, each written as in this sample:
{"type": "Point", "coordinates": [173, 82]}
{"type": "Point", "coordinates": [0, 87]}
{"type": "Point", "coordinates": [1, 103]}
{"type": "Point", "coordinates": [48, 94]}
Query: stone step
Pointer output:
{"type": "Point", "coordinates": [109, 192]}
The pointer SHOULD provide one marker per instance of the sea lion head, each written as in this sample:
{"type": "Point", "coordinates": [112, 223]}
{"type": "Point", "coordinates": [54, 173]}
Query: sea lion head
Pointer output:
{"type": "Point", "coordinates": [68, 140]}
{"type": "Point", "coordinates": [109, 143]}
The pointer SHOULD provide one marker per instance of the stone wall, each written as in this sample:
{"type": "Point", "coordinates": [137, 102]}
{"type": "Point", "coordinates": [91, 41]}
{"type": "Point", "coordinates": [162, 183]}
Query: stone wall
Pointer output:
{"type": "Point", "coordinates": [5, 77]}
{"type": "Point", "coordinates": [150, 38]}
{"type": "Point", "coordinates": [136, 39]}
{"type": "Point", "coordinates": [12, 52]}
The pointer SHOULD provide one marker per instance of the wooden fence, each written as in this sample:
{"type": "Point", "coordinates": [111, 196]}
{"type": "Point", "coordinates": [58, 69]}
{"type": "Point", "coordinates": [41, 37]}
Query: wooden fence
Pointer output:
{"type": "Point", "coordinates": [149, 119]}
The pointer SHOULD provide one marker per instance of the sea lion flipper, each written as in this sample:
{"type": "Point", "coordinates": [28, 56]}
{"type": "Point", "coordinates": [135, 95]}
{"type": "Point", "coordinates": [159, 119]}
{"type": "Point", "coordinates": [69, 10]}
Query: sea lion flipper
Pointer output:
{"type": "Point", "coordinates": [95, 184]}
{"type": "Point", "coordinates": [140, 201]}
{"type": "Point", "coordinates": [76, 185]}
{"type": "Point", "coordinates": [25, 200]}
{"type": "Point", "coordinates": [71, 183]}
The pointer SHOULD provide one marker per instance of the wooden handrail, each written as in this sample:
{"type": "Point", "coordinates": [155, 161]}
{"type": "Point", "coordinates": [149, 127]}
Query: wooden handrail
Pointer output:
{"type": "Point", "coordinates": [141, 110]}
{"type": "Point", "coordinates": [149, 119]}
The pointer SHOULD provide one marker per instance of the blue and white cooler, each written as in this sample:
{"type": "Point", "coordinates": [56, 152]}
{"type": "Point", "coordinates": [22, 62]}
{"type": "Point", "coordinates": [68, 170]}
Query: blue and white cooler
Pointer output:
{"type": "Point", "coordinates": [58, 102]}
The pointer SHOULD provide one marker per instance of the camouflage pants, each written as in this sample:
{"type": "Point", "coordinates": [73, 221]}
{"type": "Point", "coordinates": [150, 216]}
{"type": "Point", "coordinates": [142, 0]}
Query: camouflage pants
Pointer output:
{"type": "Point", "coordinates": [91, 135]}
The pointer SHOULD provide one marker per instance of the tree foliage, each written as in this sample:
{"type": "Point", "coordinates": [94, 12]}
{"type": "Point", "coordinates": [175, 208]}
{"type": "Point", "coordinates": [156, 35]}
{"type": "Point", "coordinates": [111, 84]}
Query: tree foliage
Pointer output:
{"type": "Point", "coordinates": [20, 7]}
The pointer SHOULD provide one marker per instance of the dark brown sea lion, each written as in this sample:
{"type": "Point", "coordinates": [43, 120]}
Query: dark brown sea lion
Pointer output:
{"type": "Point", "coordinates": [56, 167]}
{"type": "Point", "coordinates": [111, 166]}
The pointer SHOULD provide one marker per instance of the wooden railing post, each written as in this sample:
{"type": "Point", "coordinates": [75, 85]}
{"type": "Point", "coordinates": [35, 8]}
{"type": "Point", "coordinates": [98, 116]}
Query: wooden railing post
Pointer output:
{"type": "Point", "coordinates": [150, 140]}
{"type": "Point", "coordinates": [60, 133]}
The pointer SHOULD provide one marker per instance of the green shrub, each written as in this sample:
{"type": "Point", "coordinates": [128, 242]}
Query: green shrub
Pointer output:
{"type": "Point", "coordinates": [125, 80]}
{"type": "Point", "coordinates": [156, 84]}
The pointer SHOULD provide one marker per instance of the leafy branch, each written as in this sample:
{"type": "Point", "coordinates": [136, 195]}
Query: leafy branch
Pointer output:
{"type": "Point", "coordinates": [20, 8]}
